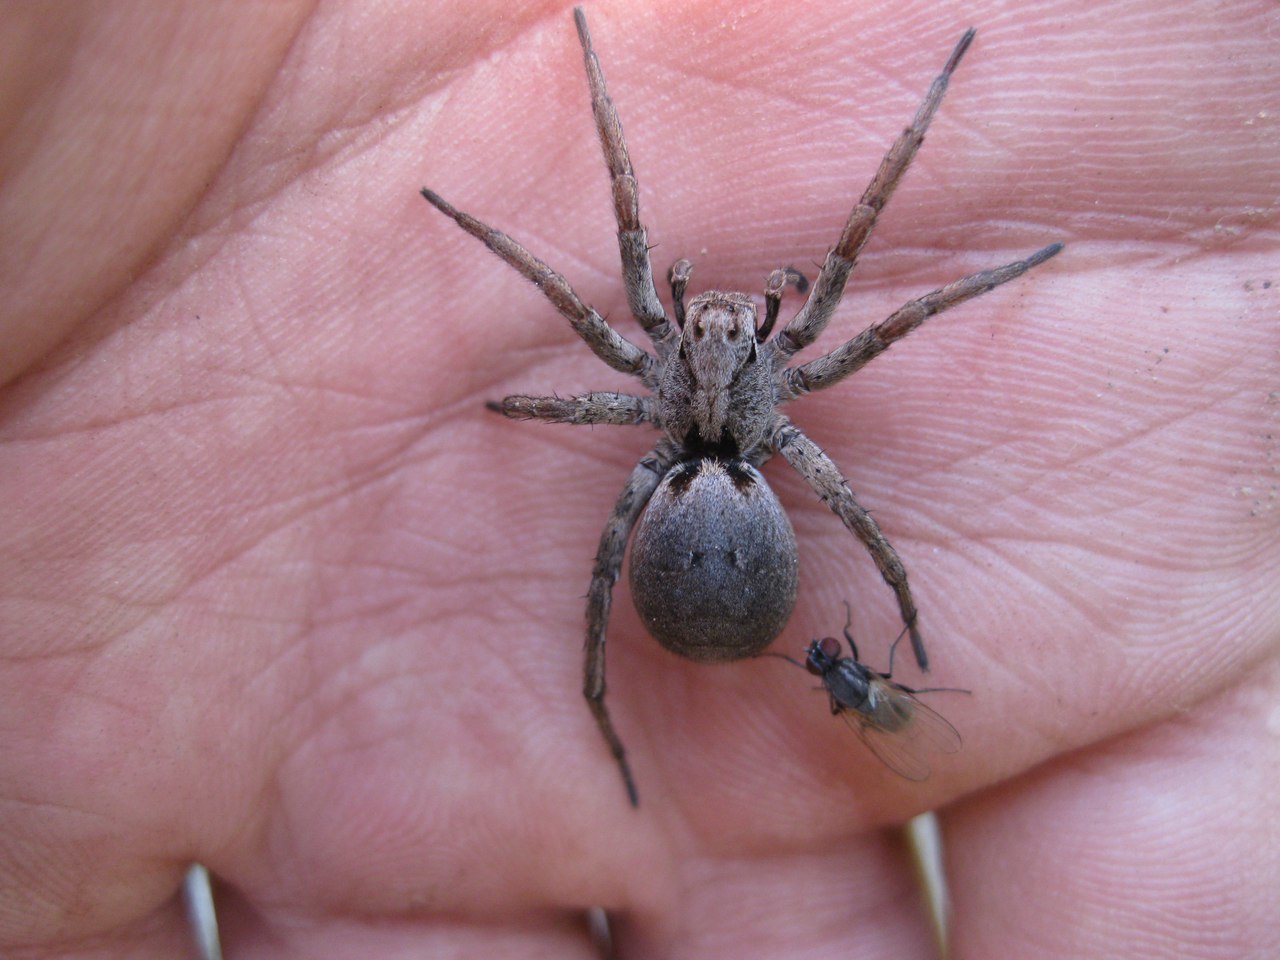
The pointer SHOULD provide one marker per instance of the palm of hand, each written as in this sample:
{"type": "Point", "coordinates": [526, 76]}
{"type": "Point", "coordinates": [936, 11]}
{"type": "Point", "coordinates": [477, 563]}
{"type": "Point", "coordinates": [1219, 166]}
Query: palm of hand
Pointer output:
{"type": "Point", "coordinates": [282, 598]}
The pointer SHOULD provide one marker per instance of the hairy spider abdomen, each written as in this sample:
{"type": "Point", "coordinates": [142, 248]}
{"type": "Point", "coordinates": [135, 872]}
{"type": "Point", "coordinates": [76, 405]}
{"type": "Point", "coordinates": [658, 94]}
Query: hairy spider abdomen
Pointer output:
{"type": "Point", "coordinates": [714, 569]}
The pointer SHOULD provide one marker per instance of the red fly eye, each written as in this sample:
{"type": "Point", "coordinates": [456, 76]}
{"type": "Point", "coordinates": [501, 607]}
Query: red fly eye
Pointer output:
{"type": "Point", "coordinates": [829, 647]}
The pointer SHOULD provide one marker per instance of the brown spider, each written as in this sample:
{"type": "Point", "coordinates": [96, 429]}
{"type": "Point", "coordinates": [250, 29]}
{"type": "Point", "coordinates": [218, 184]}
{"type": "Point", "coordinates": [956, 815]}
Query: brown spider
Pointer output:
{"type": "Point", "coordinates": [713, 558]}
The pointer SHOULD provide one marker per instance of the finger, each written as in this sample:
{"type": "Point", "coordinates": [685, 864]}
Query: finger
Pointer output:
{"type": "Point", "coordinates": [1162, 843]}
{"type": "Point", "coordinates": [159, 934]}
{"type": "Point", "coordinates": [854, 898]}
{"type": "Point", "coordinates": [272, 933]}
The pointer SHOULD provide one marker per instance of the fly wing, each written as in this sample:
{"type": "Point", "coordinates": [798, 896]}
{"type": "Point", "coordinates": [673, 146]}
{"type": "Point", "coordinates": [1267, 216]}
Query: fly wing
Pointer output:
{"type": "Point", "coordinates": [906, 746]}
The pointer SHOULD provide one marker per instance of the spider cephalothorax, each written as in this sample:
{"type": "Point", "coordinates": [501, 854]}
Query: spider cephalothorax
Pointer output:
{"type": "Point", "coordinates": [713, 564]}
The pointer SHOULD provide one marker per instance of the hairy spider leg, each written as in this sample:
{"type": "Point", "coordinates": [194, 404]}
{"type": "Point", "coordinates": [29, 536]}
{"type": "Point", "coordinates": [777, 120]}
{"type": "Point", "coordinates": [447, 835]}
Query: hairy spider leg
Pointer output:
{"type": "Point", "coordinates": [620, 409]}
{"type": "Point", "coordinates": [631, 502]}
{"type": "Point", "coordinates": [821, 473]}
{"type": "Point", "coordinates": [812, 318]}
{"type": "Point", "coordinates": [853, 354]}
{"type": "Point", "coordinates": [633, 240]}
{"type": "Point", "coordinates": [605, 342]}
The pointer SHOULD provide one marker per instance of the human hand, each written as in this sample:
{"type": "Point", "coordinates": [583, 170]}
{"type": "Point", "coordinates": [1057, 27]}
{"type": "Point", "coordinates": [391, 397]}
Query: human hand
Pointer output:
{"type": "Point", "coordinates": [280, 597]}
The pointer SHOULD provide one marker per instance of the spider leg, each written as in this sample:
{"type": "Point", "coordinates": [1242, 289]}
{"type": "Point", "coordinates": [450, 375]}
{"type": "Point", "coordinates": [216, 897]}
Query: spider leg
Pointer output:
{"type": "Point", "coordinates": [806, 325]}
{"type": "Point", "coordinates": [871, 342]}
{"type": "Point", "coordinates": [821, 473]}
{"type": "Point", "coordinates": [678, 277]}
{"type": "Point", "coordinates": [605, 342]}
{"type": "Point", "coordinates": [631, 502]}
{"type": "Point", "coordinates": [633, 241]}
{"type": "Point", "coordinates": [773, 288]}
{"type": "Point", "coordinates": [597, 407]}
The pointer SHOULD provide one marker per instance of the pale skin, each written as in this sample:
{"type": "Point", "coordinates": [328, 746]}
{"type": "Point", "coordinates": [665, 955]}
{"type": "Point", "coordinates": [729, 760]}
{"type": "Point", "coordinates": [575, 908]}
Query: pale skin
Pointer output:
{"type": "Point", "coordinates": [277, 594]}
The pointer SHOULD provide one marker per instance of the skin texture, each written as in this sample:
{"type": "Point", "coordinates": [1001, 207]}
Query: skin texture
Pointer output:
{"type": "Point", "coordinates": [278, 594]}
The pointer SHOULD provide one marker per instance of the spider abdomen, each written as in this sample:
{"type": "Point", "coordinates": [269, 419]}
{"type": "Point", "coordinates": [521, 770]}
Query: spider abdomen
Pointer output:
{"type": "Point", "coordinates": [714, 568]}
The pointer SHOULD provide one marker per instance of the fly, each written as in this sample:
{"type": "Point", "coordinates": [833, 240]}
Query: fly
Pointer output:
{"type": "Point", "coordinates": [887, 716]}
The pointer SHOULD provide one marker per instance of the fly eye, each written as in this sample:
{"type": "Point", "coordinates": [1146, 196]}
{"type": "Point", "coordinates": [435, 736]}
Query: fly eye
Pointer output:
{"type": "Point", "coordinates": [829, 647]}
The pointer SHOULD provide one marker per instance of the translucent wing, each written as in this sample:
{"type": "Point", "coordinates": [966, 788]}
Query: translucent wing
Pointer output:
{"type": "Point", "coordinates": [903, 732]}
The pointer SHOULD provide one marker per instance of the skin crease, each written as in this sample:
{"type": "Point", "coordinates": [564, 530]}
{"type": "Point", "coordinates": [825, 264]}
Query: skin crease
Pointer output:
{"type": "Point", "coordinates": [278, 595]}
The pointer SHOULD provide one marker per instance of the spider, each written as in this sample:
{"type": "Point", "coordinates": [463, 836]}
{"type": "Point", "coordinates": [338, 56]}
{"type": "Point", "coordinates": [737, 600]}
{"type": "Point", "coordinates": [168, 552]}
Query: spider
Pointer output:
{"type": "Point", "coordinates": [713, 557]}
